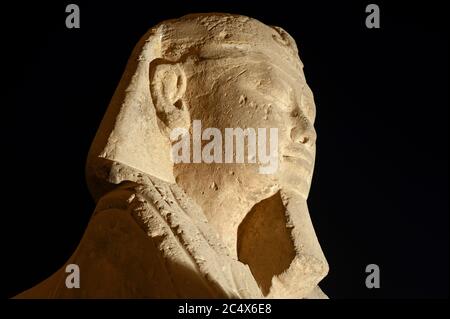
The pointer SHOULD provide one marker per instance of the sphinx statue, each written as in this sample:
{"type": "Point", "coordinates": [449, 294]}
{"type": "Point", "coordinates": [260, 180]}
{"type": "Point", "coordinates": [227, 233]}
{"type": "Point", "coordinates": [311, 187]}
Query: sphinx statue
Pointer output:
{"type": "Point", "coordinates": [194, 228]}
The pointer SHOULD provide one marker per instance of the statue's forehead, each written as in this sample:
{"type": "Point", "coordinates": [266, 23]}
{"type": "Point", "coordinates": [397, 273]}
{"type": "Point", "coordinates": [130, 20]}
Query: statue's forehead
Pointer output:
{"type": "Point", "coordinates": [263, 79]}
{"type": "Point", "coordinates": [253, 65]}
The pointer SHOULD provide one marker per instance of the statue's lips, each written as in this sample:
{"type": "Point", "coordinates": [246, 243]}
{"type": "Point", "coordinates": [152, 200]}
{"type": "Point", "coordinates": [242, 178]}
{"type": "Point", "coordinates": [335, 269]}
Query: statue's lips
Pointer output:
{"type": "Point", "coordinates": [298, 155]}
{"type": "Point", "coordinates": [298, 160]}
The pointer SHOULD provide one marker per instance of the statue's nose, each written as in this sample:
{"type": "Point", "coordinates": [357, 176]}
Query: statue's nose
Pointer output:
{"type": "Point", "coordinates": [304, 132]}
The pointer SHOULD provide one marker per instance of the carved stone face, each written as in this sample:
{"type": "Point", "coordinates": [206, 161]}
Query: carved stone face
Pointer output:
{"type": "Point", "coordinates": [252, 91]}
{"type": "Point", "coordinates": [228, 72]}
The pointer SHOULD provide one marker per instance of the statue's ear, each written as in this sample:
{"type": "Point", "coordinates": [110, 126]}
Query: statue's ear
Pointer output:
{"type": "Point", "coordinates": [167, 88]}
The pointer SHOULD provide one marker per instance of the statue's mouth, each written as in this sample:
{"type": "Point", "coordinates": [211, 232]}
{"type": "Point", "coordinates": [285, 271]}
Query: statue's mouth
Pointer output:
{"type": "Point", "coordinates": [298, 151]}
{"type": "Point", "coordinates": [299, 160]}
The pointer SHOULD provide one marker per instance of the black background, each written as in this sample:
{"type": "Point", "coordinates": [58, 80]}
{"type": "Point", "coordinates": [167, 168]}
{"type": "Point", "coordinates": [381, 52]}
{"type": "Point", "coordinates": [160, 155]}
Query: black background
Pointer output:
{"type": "Point", "coordinates": [380, 189]}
